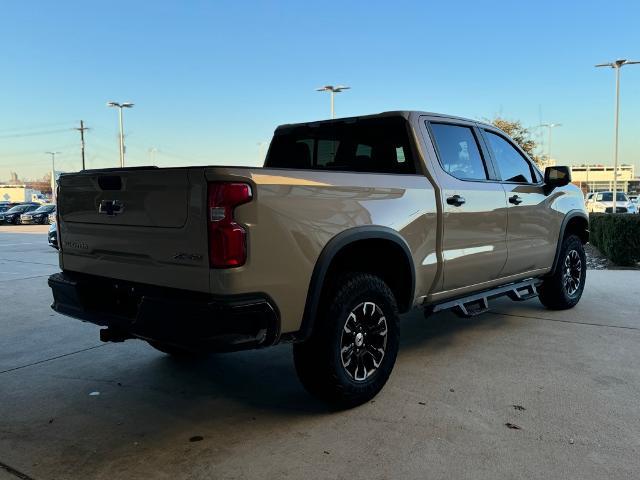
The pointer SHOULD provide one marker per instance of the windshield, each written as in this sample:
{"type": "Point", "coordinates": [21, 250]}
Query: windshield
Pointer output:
{"type": "Point", "coordinates": [608, 197]}
{"type": "Point", "coordinates": [45, 209]}
{"type": "Point", "coordinates": [18, 209]}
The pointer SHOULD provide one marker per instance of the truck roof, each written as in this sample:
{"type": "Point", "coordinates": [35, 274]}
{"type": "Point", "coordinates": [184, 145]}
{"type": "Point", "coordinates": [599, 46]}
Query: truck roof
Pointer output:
{"type": "Point", "coordinates": [407, 114]}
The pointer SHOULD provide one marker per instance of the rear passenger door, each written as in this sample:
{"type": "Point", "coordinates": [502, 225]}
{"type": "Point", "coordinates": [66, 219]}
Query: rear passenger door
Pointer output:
{"type": "Point", "coordinates": [533, 226]}
{"type": "Point", "coordinates": [474, 205]}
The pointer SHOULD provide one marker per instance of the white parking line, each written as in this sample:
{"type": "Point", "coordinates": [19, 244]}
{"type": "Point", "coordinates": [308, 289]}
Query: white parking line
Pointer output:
{"type": "Point", "coordinates": [18, 244]}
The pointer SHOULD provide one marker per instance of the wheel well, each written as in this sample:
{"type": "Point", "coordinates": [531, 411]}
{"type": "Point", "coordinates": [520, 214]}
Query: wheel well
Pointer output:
{"type": "Point", "coordinates": [579, 226]}
{"type": "Point", "coordinates": [383, 258]}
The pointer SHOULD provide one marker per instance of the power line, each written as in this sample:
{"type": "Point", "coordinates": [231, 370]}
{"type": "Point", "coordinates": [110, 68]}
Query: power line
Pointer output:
{"type": "Point", "coordinates": [34, 134]}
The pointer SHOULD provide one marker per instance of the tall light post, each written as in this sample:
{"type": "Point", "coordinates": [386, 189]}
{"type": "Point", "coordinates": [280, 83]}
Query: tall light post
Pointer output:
{"type": "Point", "coordinates": [152, 155]}
{"type": "Point", "coordinates": [333, 90]}
{"type": "Point", "coordinates": [120, 106]}
{"type": "Point", "coordinates": [53, 174]}
{"type": "Point", "coordinates": [549, 127]}
{"type": "Point", "coordinates": [616, 65]}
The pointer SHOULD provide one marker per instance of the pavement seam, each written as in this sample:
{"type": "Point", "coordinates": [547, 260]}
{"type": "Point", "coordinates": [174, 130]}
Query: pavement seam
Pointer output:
{"type": "Point", "coordinates": [50, 359]}
{"type": "Point", "coordinates": [17, 473]}
{"type": "Point", "coordinates": [32, 263]}
{"type": "Point", "coordinates": [565, 321]}
{"type": "Point", "coordinates": [24, 278]}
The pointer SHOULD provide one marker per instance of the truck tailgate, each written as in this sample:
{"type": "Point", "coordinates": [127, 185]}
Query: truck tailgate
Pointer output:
{"type": "Point", "coordinates": [145, 225]}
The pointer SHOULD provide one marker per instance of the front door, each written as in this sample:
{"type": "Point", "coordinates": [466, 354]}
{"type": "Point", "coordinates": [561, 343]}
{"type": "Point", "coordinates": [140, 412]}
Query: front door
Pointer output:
{"type": "Point", "coordinates": [532, 233]}
{"type": "Point", "coordinates": [474, 246]}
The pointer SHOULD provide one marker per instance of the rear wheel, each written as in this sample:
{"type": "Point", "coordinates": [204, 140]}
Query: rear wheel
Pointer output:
{"type": "Point", "coordinates": [353, 348]}
{"type": "Point", "coordinates": [564, 288]}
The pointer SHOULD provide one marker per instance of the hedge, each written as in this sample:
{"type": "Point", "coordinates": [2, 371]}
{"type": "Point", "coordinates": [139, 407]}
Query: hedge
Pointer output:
{"type": "Point", "coordinates": [617, 236]}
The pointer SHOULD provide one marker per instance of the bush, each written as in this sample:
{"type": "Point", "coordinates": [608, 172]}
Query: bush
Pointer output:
{"type": "Point", "coordinates": [617, 236]}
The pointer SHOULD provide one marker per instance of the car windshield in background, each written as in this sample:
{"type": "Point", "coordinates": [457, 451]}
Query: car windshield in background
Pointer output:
{"type": "Point", "coordinates": [608, 197]}
{"type": "Point", "coordinates": [18, 209]}
{"type": "Point", "coordinates": [45, 209]}
{"type": "Point", "coordinates": [378, 145]}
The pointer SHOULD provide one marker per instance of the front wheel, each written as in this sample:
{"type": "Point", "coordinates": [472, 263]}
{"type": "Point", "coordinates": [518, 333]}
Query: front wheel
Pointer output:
{"type": "Point", "coordinates": [563, 289]}
{"type": "Point", "coordinates": [353, 348]}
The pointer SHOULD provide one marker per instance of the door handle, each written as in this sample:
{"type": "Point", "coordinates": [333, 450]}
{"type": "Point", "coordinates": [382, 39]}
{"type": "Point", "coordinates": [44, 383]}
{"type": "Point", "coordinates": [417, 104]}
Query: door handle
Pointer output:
{"type": "Point", "coordinates": [516, 200]}
{"type": "Point", "coordinates": [456, 200]}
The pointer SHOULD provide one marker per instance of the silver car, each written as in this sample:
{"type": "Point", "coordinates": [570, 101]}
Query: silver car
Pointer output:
{"type": "Point", "coordinates": [602, 202]}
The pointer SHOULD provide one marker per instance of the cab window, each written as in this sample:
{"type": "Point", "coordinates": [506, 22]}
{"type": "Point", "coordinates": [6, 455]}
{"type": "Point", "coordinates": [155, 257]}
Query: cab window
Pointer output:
{"type": "Point", "coordinates": [458, 151]}
{"type": "Point", "coordinates": [512, 166]}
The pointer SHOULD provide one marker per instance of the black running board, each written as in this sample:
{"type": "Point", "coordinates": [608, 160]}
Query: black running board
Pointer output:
{"type": "Point", "coordinates": [478, 303]}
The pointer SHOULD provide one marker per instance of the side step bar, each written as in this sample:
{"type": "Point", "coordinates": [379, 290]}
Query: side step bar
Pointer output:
{"type": "Point", "coordinates": [478, 303]}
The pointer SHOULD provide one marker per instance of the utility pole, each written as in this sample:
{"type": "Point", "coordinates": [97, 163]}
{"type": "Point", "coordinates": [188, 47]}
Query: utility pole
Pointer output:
{"type": "Point", "coordinates": [616, 65]}
{"type": "Point", "coordinates": [81, 129]}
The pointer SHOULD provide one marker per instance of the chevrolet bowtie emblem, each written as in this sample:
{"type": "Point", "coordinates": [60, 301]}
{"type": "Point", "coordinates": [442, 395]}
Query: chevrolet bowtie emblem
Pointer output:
{"type": "Point", "coordinates": [110, 207]}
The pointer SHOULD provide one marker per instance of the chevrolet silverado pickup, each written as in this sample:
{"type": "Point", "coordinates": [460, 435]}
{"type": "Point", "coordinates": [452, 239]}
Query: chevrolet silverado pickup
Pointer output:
{"type": "Point", "coordinates": [349, 223]}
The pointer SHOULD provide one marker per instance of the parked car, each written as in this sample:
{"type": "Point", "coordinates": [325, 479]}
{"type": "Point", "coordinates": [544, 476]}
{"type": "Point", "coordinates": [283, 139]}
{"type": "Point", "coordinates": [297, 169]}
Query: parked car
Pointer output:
{"type": "Point", "coordinates": [350, 223]}
{"type": "Point", "coordinates": [52, 236]}
{"type": "Point", "coordinates": [4, 206]}
{"type": "Point", "coordinates": [38, 216]}
{"type": "Point", "coordinates": [52, 217]}
{"type": "Point", "coordinates": [12, 215]}
{"type": "Point", "coordinates": [602, 202]}
{"type": "Point", "coordinates": [588, 197]}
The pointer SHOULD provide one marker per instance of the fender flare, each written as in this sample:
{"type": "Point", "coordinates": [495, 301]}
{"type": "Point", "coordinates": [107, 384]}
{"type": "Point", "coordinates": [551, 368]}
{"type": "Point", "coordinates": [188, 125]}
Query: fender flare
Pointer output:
{"type": "Point", "coordinates": [565, 221]}
{"type": "Point", "coordinates": [327, 255]}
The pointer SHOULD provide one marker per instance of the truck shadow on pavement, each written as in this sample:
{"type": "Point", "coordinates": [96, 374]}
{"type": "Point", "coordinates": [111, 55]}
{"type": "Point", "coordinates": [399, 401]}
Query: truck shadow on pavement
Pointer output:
{"type": "Point", "coordinates": [266, 379]}
{"type": "Point", "coordinates": [127, 400]}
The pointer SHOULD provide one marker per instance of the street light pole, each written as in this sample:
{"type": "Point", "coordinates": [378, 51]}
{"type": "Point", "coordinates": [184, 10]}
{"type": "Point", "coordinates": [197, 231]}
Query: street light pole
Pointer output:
{"type": "Point", "coordinates": [549, 126]}
{"type": "Point", "coordinates": [120, 106]}
{"type": "Point", "coordinates": [332, 90]}
{"type": "Point", "coordinates": [616, 65]}
{"type": "Point", "coordinates": [53, 174]}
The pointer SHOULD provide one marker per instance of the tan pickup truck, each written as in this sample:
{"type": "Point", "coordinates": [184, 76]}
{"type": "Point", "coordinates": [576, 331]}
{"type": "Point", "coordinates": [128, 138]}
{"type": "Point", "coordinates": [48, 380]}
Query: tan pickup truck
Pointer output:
{"type": "Point", "coordinates": [349, 224]}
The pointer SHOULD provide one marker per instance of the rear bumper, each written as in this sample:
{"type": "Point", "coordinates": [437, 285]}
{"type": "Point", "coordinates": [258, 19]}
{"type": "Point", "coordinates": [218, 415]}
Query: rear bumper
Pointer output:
{"type": "Point", "coordinates": [176, 317]}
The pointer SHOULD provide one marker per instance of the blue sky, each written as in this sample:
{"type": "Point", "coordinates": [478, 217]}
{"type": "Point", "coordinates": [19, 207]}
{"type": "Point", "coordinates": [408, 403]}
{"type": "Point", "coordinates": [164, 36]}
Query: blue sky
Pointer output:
{"type": "Point", "coordinates": [212, 79]}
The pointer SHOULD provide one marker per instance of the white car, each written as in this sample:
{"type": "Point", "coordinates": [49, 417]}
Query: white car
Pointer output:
{"type": "Point", "coordinates": [602, 202]}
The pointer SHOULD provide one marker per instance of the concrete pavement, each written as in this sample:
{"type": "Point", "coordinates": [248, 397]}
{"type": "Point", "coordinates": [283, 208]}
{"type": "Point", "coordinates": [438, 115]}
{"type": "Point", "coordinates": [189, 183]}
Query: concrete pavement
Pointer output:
{"type": "Point", "coordinates": [73, 408]}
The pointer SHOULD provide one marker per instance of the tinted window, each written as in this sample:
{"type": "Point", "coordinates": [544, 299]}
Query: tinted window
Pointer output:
{"type": "Point", "coordinates": [18, 209]}
{"type": "Point", "coordinates": [512, 165]}
{"type": "Point", "coordinates": [458, 151]}
{"type": "Point", "coordinates": [367, 145]}
{"type": "Point", "coordinates": [608, 197]}
{"type": "Point", "coordinates": [45, 209]}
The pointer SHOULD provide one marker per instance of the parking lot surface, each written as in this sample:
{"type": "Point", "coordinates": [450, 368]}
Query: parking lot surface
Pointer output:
{"type": "Point", "coordinates": [521, 392]}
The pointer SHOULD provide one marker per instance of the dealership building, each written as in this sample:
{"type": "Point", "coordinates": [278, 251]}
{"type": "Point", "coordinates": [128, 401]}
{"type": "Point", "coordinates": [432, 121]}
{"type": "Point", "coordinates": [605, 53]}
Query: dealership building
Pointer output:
{"type": "Point", "coordinates": [598, 178]}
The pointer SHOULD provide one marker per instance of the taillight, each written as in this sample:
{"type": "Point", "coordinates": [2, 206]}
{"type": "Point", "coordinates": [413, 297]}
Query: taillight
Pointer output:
{"type": "Point", "coordinates": [227, 239]}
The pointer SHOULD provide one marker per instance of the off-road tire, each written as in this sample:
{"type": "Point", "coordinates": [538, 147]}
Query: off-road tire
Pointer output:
{"type": "Point", "coordinates": [556, 292]}
{"type": "Point", "coordinates": [319, 361]}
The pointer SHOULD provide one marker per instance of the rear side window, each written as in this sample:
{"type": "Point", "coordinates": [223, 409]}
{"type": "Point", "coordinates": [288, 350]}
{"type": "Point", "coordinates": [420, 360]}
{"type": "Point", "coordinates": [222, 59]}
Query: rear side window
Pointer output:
{"type": "Point", "coordinates": [379, 145]}
{"type": "Point", "coordinates": [458, 151]}
{"type": "Point", "coordinates": [512, 165]}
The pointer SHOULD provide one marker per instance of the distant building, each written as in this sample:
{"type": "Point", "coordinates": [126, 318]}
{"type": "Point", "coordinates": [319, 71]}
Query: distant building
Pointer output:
{"type": "Point", "coordinates": [598, 178]}
{"type": "Point", "coordinates": [20, 193]}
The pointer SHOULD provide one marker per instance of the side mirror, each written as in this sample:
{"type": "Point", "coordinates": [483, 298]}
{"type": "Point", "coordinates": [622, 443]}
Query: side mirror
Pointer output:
{"type": "Point", "coordinates": [556, 177]}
